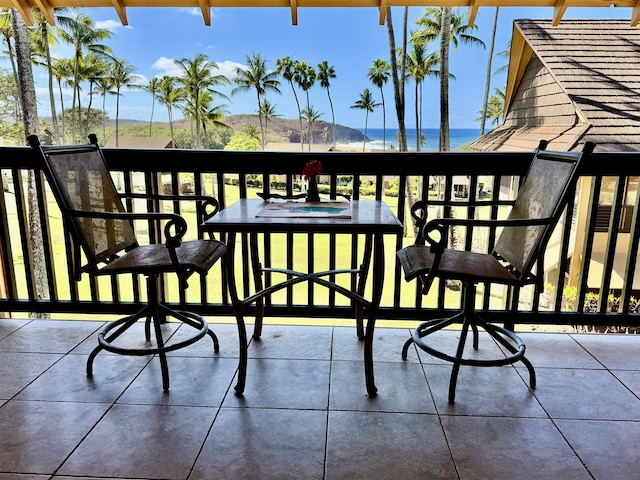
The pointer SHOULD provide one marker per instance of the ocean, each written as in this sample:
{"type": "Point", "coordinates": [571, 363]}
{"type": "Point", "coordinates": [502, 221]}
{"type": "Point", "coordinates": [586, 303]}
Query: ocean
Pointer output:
{"type": "Point", "coordinates": [459, 136]}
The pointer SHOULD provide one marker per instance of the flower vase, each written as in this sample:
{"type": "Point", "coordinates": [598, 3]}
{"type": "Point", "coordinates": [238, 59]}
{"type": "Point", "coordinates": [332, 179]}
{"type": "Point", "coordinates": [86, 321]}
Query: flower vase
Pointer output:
{"type": "Point", "coordinates": [312, 189]}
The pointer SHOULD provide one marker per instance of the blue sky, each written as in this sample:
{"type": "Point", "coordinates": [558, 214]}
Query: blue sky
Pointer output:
{"type": "Point", "coordinates": [350, 39]}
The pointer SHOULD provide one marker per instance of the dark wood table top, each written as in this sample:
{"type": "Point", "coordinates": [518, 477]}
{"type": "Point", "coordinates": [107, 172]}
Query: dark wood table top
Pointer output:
{"type": "Point", "coordinates": [367, 216]}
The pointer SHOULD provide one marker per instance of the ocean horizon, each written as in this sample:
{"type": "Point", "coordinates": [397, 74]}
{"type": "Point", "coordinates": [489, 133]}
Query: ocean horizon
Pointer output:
{"type": "Point", "coordinates": [458, 137]}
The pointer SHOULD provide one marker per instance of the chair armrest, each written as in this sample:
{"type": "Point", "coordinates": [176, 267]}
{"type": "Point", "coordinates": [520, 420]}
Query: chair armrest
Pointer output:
{"type": "Point", "coordinates": [207, 204]}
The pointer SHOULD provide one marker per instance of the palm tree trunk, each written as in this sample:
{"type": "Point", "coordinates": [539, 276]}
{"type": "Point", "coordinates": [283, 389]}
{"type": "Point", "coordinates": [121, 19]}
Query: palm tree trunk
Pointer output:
{"type": "Point", "coordinates": [445, 38]}
{"type": "Point", "coordinates": [333, 118]}
{"type": "Point", "coordinates": [487, 84]}
{"type": "Point", "coordinates": [384, 122]}
{"type": "Point", "coordinates": [27, 92]}
{"type": "Point", "coordinates": [52, 101]}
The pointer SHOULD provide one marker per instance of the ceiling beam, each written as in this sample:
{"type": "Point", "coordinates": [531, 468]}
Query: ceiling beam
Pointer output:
{"type": "Point", "coordinates": [25, 9]}
{"type": "Point", "coordinates": [558, 11]}
{"type": "Point", "coordinates": [47, 11]}
{"type": "Point", "coordinates": [121, 11]}
{"type": "Point", "coordinates": [294, 11]}
{"type": "Point", "coordinates": [635, 16]}
{"type": "Point", "coordinates": [383, 11]}
{"type": "Point", "coordinates": [473, 11]}
{"type": "Point", "coordinates": [205, 8]}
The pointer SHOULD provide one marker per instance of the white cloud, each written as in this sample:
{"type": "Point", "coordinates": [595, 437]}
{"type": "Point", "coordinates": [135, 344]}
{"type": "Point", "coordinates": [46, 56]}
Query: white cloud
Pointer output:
{"type": "Point", "coordinates": [167, 66]}
{"type": "Point", "coordinates": [111, 25]}
{"type": "Point", "coordinates": [227, 68]}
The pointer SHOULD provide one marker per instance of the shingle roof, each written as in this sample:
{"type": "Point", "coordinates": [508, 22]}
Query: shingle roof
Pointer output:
{"type": "Point", "coordinates": [581, 82]}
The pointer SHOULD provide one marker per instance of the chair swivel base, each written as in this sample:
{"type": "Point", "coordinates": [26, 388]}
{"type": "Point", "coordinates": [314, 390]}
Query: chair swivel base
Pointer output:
{"type": "Point", "coordinates": [155, 315]}
{"type": "Point", "coordinates": [504, 337]}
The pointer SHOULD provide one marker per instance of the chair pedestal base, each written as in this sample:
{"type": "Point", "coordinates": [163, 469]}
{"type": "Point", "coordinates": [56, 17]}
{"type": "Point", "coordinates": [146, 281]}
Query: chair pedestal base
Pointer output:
{"type": "Point", "coordinates": [470, 320]}
{"type": "Point", "coordinates": [156, 314]}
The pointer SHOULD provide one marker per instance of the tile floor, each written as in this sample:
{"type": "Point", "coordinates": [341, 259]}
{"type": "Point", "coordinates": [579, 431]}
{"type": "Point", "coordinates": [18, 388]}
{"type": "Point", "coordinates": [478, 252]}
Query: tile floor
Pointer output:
{"type": "Point", "coordinates": [305, 414]}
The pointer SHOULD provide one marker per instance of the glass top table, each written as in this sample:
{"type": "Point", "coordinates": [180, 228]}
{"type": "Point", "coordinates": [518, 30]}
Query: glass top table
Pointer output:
{"type": "Point", "coordinates": [371, 218]}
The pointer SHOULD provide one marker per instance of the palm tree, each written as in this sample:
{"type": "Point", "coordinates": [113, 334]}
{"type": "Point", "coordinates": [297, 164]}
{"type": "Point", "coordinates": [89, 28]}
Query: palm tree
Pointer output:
{"type": "Point", "coordinates": [62, 70]}
{"type": "Point", "coordinates": [6, 30]}
{"type": "Point", "coordinates": [93, 69]}
{"type": "Point", "coordinates": [81, 34]}
{"type": "Point", "coordinates": [122, 76]}
{"type": "Point", "coordinates": [257, 76]}
{"type": "Point", "coordinates": [197, 78]}
{"type": "Point", "coordinates": [325, 74]}
{"type": "Point", "coordinates": [104, 86]}
{"type": "Point", "coordinates": [494, 110]}
{"type": "Point", "coordinates": [419, 67]}
{"type": "Point", "coordinates": [27, 89]}
{"type": "Point", "coordinates": [368, 104]}
{"type": "Point", "coordinates": [397, 75]}
{"type": "Point", "coordinates": [170, 96]}
{"type": "Point", "coordinates": [378, 74]}
{"type": "Point", "coordinates": [311, 115]}
{"type": "Point", "coordinates": [487, 84]}
{"type": "Point", "coordinates": [305, 77]}
{"type": "Point", "coordinates": [267, 111]}
{"type": "Point", "coordinates": [153, 88]}
{"type": "Point", "coordinates": [450, 26]}
{"type": "Point", "coordinates": [287, 68]}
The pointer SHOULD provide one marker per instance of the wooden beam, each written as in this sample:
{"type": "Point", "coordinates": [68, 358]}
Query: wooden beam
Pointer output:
{"type": "Point", "coordinates": [47, 11]}
{"type": "Point", "coordinates": [383, 11]}
{"type": "Point", "coordinates": [473, 11]}
{"type": "Point", "coordinates": [558, 11]}
{"type": "Point", "coordinates": [294, 11]}
{"type": "Point", "coordinates": [205, 8]}
{"type": "Point", "coordinates": [121, 11]}
{"type": "Point", "coordinates": [25, 10]}
{"type": "Point", "coordinates": [635, 15]}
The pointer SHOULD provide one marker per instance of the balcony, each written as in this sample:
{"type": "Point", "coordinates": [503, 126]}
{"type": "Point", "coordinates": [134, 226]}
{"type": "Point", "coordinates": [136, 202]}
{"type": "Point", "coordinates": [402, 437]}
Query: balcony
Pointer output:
{"type": "Point", "coordinates": [305, 414]}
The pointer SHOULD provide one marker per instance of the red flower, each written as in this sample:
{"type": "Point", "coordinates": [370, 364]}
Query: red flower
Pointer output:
{"type": "Point", "coordinates": [311, 169]}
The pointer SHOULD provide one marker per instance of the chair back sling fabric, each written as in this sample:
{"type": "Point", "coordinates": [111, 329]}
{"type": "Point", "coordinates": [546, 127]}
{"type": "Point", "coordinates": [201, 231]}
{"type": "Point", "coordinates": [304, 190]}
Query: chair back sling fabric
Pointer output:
{"type": "Point", "coordinates": [523, 237]}
{"type": "Point", "coordinates": [98, 222]}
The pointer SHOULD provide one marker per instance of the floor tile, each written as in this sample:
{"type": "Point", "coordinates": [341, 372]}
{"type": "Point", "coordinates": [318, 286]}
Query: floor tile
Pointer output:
{"type": "Point", "coordinates": [609, 449]}
{"type": "Point", "coordinates": [193, 381]}
{"type": "Point", "coordinates": [17, 370]}
{"type": "Point", "coordinates": [630, 379]}
{"type": "Point", "coordinates": [10, 325]}
{"type": "Point", "coordinates": [557, 350]}
{"type": "Point", "coordinates": [370, 445]}
{"type": "Point", "coordinates": [142, 441]}
{"type": "Point", "coordinates": [494, 391]}
{"type": "Point", "coordinates": [264, 444]}
{"type": "Point", "coordinates": [614, 351]}
{"type": "Point", "coordinates": [227, 334]}
{"type": "Point", "coordinates": [48, 336]}
{"type": "Point", "coordinates": [38, 436]}
{"type": "Point", "coordinates": [284, 341]}
{"type": "Point", "coordinates": [402, 387]}
{"type": "Point", "coordinates": [134, 337]}
{"type": "Point", "coordinates": [510, 448]}
{"type": "Point", "coordinates": [387, 345]}
{"type": "Point", "coordinates": [585, 394]}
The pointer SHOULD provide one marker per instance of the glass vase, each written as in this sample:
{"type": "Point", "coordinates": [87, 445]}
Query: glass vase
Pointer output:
{"type": "Point", "coordinates": [312, 189]}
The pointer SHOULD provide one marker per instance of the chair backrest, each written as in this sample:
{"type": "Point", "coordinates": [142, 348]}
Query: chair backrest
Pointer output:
{"type": "Point", "coordinates": [544, 194]}
{"type": "Point", "coordinates": [80, 181]}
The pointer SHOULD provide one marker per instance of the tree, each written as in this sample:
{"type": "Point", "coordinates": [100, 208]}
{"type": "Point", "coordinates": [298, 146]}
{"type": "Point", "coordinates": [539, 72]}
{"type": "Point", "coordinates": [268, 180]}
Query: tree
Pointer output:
{"type": "Point", "coordinates": [325, 74]}
{"type": "Point", "coordinates": [449, 26]}
{"type": "Point", "coordinates": [122, 76]}
{"type": "Point", "coordinates": [29, 104]}
{"type": "Point", "coordinates": [495, 108]}
{"type": "Point", "coordinates": [242, 141]}
{"type": "Point", "coordinates": [305, 77]}
{"type": "Point", "coordinates": [153, 87]}
{"type": "Point", "coordinates": [170, 96]}
{"type": "Point", "coordinates": [368, 104]}
{"type": "Point", "coordinates": [311, 115]}
{"type": "Point", "coordinates": [379, 74]}
{"type": "Point", "coordinates": [104, 86]}
{"type": "Point", "coordinates": [267, 111]}
{"type": "Point", "coordinates": [256, 75]}
{"type": "Point", "coordinates": [62, 70]}
{"type": "Point", "coordinates": [197, 78]}
{"type": "Point", "coordinates": [420, 66]}
{"type": "Point", "coordinates": [287, 68]}
{"type": "Point", "coordinates": [487, 84]}
{"type": "Point", "coordinates": [82, 35]}
{"type": "Point", "coordinates": [397, 75]}
{"type": "Point", "coordinates": [6, 29]}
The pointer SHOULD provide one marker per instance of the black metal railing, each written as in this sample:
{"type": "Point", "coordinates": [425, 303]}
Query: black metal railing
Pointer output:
{"type": "Point", "coordinates": [595, 265]}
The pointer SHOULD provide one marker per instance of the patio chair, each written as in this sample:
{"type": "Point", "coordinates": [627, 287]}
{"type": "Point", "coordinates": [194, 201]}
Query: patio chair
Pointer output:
{"type": "Point", "coordinates": [541, 200]}
{"type": "Point", "coordinates": [98, 223]}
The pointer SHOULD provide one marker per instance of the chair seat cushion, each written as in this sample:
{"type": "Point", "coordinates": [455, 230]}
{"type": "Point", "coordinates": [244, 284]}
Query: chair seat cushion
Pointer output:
{"type": "Point", "coordinates": [198, 255]}
{"type": "Point", "coordinates": [417, 260]}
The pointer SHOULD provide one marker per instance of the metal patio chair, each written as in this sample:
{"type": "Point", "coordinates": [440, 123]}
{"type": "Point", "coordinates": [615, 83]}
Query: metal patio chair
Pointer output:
{"type": "Point", "coordinates": [521, 244]}
{"type": "Point", "coordinates": [99, 224]}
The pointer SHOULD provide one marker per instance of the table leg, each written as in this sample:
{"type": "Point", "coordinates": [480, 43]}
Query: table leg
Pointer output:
{"type": "Point", "coordinates": [372, 312]}
{"type": "Point", "coordinates": [238, 310]}
{"type": "Point", "coordinates": [257, 281]}
{"type": "Point", "coordinates": [362, 282]}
